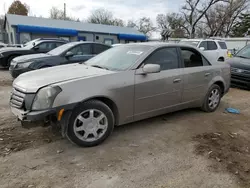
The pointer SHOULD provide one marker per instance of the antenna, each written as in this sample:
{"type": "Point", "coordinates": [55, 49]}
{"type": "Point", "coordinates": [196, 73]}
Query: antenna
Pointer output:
{"type": "Point", "coordinates": [64, 12]}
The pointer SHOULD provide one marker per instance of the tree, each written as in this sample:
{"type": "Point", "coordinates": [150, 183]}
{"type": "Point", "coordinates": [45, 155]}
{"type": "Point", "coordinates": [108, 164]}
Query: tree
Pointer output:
{"type": "Point", "coordinates": [240, 28]}
{"type": "Point", "coordinates": [170, 25]}
{"type": "Point", "coordinates": [58, 14]}
{"type": "Point", "coordinates": [103, 16]}
{"type": "Point", "coordinates": [194, 10]}
{"type": "Point", "coordinates": [220, 19]}
{"type": "Point", "coordinates": [18, 8]}
{"type": "Point", "coordinates": [144, 25]}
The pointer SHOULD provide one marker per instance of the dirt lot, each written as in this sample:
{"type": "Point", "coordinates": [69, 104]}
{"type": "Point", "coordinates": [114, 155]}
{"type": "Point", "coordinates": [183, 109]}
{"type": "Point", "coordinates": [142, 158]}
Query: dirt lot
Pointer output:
{"type": "Point", "coordinates": [184, 149]}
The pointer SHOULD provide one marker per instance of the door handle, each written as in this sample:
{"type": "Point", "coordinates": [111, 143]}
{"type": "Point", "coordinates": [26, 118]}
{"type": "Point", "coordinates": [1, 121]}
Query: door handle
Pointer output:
{"type": "Point", "coordinates": [177, 80]}
{"type": "Point", "coordinates": [207, 74]}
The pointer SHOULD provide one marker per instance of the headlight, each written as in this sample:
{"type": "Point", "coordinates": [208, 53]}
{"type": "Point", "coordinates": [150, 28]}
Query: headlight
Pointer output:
{"type": "Point", "coordinates": [1, 55]}
{"type": "Point", "coordinates": [45, 97]}
{"type": "Point", "coordinates": [24, 65]}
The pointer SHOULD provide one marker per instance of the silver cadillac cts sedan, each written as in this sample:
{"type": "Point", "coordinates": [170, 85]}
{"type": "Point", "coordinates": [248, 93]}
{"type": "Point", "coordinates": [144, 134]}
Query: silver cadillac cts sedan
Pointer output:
{"type": "Point", "coordinates": [124, 84]}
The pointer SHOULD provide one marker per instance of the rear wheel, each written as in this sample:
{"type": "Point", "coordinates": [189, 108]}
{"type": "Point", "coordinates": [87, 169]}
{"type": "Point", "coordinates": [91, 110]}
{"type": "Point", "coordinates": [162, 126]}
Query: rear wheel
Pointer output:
{"type": "Point", "coordinates": [90, 124]}
{"type": "Point", "coordinates": [212, 99]}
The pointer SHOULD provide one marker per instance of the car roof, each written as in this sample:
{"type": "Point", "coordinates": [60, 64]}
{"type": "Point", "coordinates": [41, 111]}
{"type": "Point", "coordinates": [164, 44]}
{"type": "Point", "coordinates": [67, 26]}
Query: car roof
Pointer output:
{"type": "Point", "coordinates": [160, 44]}
{"type": "Point", "coordinates": [209, 39]}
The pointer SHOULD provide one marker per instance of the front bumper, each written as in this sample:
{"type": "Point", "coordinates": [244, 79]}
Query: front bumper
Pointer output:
{"type": "Point", "coordinates": [15, 72]}
{"type": "Point", "coordinates": [40, 115]}
{"type": "Point", "coordinates": [240, 80]}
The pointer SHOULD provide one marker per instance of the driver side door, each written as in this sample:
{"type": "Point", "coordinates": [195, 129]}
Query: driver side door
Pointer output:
{"type": "Point", "coordinates": [158, 93]}
{"type": "Point", "coordinates": [81, 53]}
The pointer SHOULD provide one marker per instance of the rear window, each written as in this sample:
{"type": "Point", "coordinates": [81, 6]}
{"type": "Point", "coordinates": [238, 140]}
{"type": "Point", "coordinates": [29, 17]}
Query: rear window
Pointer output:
{"type": "Point", "coordinates": [223, 45]}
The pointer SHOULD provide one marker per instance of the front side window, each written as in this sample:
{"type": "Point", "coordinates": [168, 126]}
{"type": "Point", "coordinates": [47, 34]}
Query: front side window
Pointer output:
{"type": "Point", "coordinates": [212, 45]}
{"type": "Point", "coordinates": [167, 58]}
{"type": "Point", "coordinates": [204, 45]}
{"type": "Point", "coordinates": [46, 46]}
{"type": "Point", "coordinates": [191, 58]}
{"type": "Point", "coordinates": [84, 49]}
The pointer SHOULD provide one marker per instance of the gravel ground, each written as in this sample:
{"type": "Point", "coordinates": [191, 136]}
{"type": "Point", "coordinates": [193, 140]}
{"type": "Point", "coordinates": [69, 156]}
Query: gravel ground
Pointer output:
{"type": "Point", "coordinates": [161, 152]}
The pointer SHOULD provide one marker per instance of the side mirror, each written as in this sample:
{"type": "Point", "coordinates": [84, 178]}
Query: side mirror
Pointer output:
{"type": "Point", "coordinates": [151, 68]}
{"type": "Point", "coordinates": [69, 54]}
{"type": "Point", "coordinates": [36, 47]}
{"type": "Point", "coordinates": [202, 48]}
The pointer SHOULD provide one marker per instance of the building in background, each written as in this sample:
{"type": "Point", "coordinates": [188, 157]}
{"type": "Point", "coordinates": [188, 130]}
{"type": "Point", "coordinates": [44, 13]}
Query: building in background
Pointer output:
{"type": "Point", "coordinates": [20, 29]}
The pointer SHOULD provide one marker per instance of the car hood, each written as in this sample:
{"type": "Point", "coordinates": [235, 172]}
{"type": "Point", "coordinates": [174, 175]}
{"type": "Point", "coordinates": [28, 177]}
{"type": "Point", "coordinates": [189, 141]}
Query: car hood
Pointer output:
{"type": "Point", "coordinates": [241, 63]}
{"type": "Point", "coordinates": [31, 57]}
{"type": "Point", "coordinates": [30, 82]}
{"type": "Point", "coordinates": [9, 49]}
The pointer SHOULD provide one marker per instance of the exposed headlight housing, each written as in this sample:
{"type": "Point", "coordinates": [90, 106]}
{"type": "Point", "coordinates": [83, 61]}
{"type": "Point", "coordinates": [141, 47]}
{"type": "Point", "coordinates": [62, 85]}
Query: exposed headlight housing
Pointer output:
{"type": "Point", "coordinates": [45, 97]}
{"type": "Point", "coordinates": [24, 65]}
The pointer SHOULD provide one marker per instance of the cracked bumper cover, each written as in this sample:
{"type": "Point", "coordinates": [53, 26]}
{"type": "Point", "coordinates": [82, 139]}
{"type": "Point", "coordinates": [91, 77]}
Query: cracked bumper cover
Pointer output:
{"type": "Point", "coordinates": [40, 115]}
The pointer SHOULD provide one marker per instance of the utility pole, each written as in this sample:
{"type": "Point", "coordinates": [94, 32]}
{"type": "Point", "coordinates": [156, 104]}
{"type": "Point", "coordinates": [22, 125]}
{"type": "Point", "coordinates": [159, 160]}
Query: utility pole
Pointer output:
{"type": "Point", "coordinates": [64, 12]}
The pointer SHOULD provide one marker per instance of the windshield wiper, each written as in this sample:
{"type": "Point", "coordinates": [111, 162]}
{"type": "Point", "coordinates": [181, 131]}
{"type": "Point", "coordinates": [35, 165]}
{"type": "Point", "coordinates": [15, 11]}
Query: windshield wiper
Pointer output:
{"type": "Point", "coordinates": [98, 66]}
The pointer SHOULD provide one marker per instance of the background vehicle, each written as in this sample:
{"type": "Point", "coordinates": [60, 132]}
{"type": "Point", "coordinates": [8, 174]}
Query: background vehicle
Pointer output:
{"type": "Point", "coordinates": [216, 50]}
{"type": "Point", "coordinates": [65, 54]}
{"type": "Point", "coordinates": [124, 84]}
{"type": "Point", "coordinates": [40, 46]}
{"type": "Point", "coordinates": [2, 45]}
{"type": "Point", "coordinates": [240, 68]}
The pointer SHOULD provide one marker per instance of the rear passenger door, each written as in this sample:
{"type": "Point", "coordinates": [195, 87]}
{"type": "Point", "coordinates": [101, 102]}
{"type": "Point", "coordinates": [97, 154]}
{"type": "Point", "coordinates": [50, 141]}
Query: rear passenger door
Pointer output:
{"type": "Point", "coordinates": [197, 73]}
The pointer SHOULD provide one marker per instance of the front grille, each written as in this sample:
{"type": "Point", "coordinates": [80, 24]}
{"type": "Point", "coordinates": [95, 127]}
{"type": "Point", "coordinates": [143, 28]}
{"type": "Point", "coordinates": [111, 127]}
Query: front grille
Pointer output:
{"type": "Point", "coordinates": [240, 71]}
{"type": "Point", "coordinates": [240, 77]}
{"type": "Point", "coordinates": [17, 98]}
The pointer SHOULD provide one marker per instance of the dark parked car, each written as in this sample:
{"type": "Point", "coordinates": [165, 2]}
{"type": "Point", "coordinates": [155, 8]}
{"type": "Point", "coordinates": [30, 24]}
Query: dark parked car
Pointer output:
{"type": "Point", "coordinates": [68, 53]}
{"type": "Point", "coordinates": [32, 47]}
{"type": "Point", "coordinates": [240, 68]}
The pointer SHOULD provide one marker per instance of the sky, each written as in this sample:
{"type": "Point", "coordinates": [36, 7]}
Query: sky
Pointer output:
{"type": "Point", "coordinates": [123, 9]}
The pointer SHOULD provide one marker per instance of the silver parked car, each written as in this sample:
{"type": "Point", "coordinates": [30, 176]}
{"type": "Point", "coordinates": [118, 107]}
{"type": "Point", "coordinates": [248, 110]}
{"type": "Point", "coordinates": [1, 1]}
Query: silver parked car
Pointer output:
{"type": "Point", "coordinates": [121, 85]}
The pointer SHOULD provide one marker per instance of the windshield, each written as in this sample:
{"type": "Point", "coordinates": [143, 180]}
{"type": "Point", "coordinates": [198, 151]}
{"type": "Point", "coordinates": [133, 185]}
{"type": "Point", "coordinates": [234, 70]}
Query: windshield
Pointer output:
{"type": "Point", "coordinates": [30, 42]}
{"type": "Point", "coordinates": [118, 58]}
{"type": "Point", "coordinates": [61, 49]}
{"type": "Point", "coordinates": [192, 43]}
{"type": "Point", "coordinates": [244, 52]}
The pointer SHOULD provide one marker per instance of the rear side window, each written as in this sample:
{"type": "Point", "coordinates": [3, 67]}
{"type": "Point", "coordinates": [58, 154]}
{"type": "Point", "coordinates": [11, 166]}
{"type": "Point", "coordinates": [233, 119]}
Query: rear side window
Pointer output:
{"type": "Point", "coordinates": [98, 48]}
{"type": "Point", "coordinates": [223, 45]}
{"type": "Point", "coordinates": [211, 45]}
{"type": "Point", "coordinates": [191, 58]}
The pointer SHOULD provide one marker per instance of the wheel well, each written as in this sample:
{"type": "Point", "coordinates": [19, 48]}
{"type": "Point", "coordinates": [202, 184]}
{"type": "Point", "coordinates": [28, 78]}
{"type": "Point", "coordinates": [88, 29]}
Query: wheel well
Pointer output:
{"type": "Point", "coordinates": [221, 59]}
{"type": "Point", "coordinates": [111, 105]}
{"type": "Point", "coordinates": [221, 85]}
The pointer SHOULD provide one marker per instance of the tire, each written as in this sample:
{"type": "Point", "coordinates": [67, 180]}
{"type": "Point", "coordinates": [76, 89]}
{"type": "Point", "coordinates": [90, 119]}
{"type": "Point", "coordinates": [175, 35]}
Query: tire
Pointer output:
{"type": "Point", "coordinates": [207, 101]}
{"type": "Point", "coordinates": [82, 124]}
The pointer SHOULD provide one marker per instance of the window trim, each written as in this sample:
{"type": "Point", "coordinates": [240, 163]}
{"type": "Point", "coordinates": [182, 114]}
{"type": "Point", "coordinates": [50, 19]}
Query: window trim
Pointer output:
{"type": "Point", "coordinates": [157, 49]}
{"type": "Point", "coordinates": [192, 49]}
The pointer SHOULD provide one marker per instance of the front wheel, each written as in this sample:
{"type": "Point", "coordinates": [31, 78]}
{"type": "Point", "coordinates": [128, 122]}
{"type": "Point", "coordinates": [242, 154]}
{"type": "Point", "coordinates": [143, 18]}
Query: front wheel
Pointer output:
{"type": "Point", "coordinates": [90, 124]}
{"type": "Point", "coordinates": [212, 99]}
